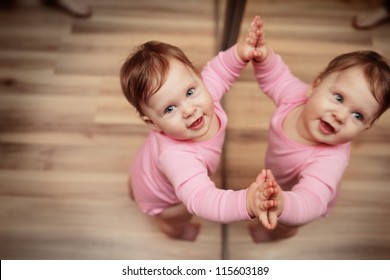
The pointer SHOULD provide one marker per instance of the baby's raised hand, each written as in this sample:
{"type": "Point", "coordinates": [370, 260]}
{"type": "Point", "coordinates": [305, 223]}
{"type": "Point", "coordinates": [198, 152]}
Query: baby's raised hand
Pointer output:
{"type": "Point", "coordinates": [246, 47]}
{"type": "Point", "coordinates": [264, 201]}
{"type": "Point", "coordinates": [262, 50]}
{"type": "Point", "coordinates": [277, 197]}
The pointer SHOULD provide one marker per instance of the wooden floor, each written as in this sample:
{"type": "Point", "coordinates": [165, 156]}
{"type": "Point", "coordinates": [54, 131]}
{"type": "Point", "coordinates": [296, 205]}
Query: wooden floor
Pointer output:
{"type": "Point", "coordinates": [67, 135]}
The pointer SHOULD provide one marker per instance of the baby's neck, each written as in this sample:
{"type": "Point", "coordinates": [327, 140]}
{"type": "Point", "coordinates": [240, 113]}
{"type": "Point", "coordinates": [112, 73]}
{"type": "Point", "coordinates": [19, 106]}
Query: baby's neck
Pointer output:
{"type": "Point", "coordinates": [293, 128]}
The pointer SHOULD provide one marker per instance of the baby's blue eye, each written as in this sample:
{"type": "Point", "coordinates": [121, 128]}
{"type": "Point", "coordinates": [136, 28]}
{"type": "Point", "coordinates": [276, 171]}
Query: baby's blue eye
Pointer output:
{"type": "Point", "coordinates": [190, 92]}
{"type": "Point", "coordinates": [358, 116]}
{"type": "Point", "coordinates": [339, 98]}
{"type": "Point", "coordinates": [169, 109]}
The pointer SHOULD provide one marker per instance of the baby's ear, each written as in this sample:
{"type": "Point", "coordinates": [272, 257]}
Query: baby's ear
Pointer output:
{"type": "Point", "coordinates": [313, 85]}
{"type": "Point", "coordinates": [150, 123]}
{"type": "Point", "coordinates": [316, 82]}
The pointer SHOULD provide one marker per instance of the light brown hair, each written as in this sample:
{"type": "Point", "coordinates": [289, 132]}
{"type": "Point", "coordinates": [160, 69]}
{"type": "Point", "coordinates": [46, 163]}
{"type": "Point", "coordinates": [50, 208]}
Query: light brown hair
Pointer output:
{"type": "Point", "coordinates": [375, 69]}
{"type": "Point", "coordinates": [145, 70]}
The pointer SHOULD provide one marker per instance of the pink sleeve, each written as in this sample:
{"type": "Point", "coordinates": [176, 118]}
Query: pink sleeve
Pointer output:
{"type": "Point", "coordinates": [188, 175]}
{"type": "Point", "coordinates": [220, 72]}
{"type": "Point", "coordinates": [317, 188]}
{"type": "Point", "coordinates": [275, 79]}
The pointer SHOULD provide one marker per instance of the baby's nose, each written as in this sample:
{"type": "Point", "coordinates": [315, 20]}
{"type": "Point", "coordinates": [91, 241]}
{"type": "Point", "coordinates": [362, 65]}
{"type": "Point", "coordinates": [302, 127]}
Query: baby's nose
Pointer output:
{"type": "Point", "coordinates": [188, 109]}
{"type": "Point", "coordinates": [340, 115]}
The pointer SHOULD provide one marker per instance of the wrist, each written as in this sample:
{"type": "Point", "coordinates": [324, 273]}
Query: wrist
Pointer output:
{"type": "Point", "coordinates": [250, 200]}
{"type": "Point", "coordinates": [280, 202]}
{"type": "Point", "coordinates": [265, 56]}
{"type": "Point", "coordinates": [241, 58]}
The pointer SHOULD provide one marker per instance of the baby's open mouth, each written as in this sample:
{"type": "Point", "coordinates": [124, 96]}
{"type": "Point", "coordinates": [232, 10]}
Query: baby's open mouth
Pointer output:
{"type": "Point", "coordinates": [197, 124]}
{"type": "Point", "coordinates": [327, 128]}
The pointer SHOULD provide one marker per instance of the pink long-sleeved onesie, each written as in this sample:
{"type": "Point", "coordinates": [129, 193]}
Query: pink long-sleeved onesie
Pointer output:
{"type": "Point", "coordinates": [166, 171]}
{"type": "Point", "coordinates": [309, 175]}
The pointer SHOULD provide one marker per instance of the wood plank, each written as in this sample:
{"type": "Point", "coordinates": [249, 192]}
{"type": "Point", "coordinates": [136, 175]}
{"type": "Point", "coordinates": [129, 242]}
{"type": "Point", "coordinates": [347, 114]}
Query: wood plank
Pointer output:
{"type": "Point", "coordinates": [308, 34]}
{"type": "Point", "coordinates": [67, 134]}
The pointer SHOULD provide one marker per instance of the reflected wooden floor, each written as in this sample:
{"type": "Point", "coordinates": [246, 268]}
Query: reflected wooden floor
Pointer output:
{"type": "Point", "coordinates": [308, 34]}
{"type": "Point", "coordinates": [67, 134]}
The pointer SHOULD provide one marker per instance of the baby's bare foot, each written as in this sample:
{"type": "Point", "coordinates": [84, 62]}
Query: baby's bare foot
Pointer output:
{"type": "Point", "coordinates": [261, 234]}
{"type": "Point", "coordinates": [191, 232]}
{"type": "Point", "coordinates": [370, 19]}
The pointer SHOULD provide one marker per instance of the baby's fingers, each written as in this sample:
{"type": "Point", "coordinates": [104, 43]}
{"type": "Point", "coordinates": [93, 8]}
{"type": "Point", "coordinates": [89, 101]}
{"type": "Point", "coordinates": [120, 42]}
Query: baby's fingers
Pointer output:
{"type": "Point", "coordinates": [266, 205]}
{"type": "Point", "coordinates": [272, 219]}
{"type": "Point", "coordinates": [269, 191]}
{"type": "Point", "coordinates": [263, 218]}
{"type": "Point", "coordinates": [261, 177]}
{"type": "Point", "coordinates": [270, 176]}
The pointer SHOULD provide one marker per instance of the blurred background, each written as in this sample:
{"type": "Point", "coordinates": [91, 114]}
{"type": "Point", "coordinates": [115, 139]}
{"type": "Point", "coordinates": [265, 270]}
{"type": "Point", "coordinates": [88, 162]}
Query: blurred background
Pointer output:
{"type": "Point", "coordinates": [67, 135]}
